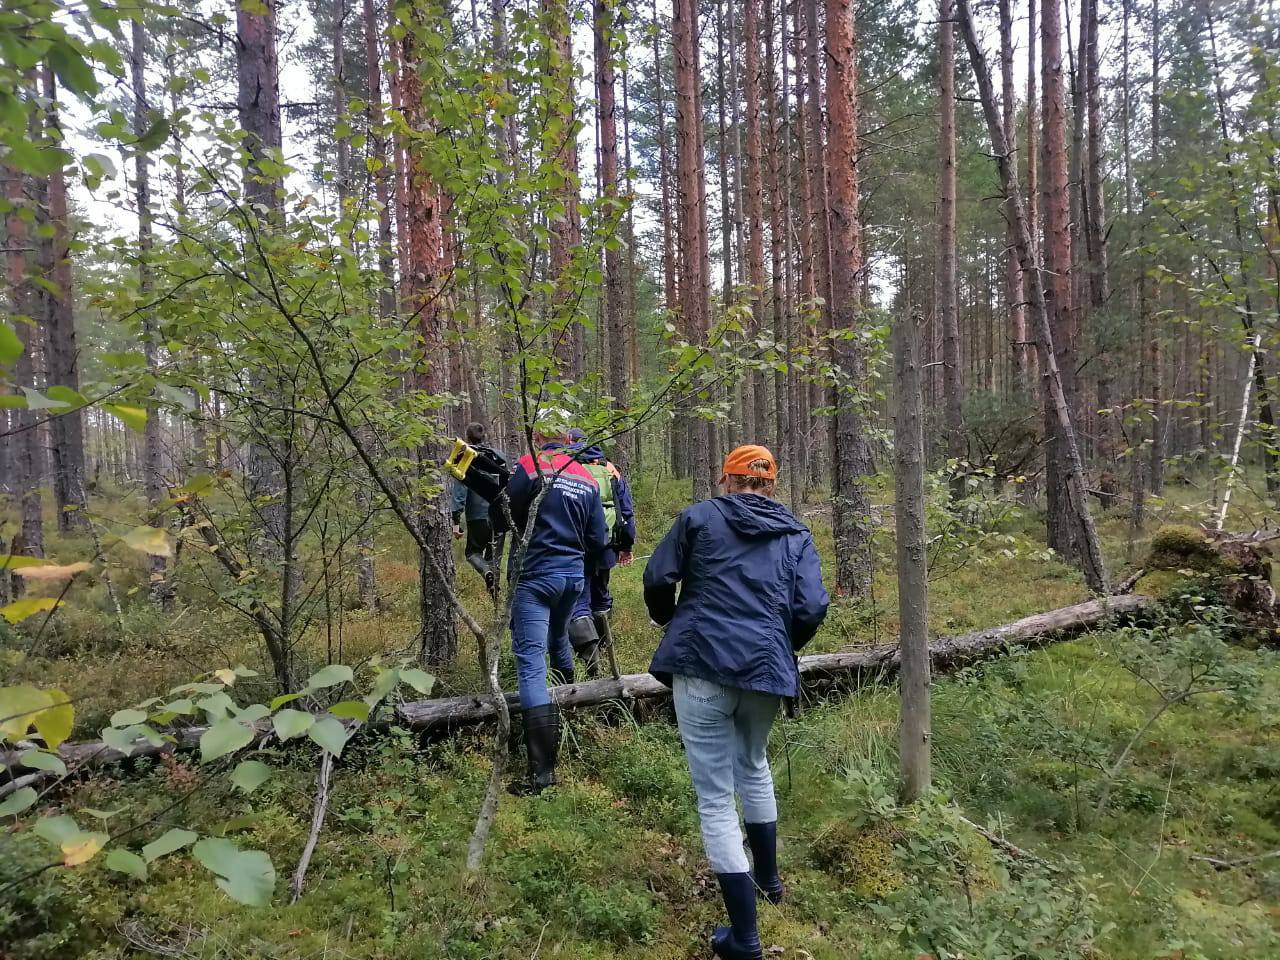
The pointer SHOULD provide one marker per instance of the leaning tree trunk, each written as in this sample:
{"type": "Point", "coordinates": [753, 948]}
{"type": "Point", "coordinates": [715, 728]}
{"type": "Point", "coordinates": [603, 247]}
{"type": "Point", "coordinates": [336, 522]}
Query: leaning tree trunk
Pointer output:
{"type": "Point", "coordinates": [1074, 489]}
{"type": "Point", "coordinates": [850, 456]}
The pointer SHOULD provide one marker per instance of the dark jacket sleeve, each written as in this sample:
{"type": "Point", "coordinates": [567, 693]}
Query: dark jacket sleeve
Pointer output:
{"type": "Point", "coordinates": [624, 531]}
{"type": "Point", "coordinates": [808, 596]}
{"type": "Point", "coordinates": [664, 570]}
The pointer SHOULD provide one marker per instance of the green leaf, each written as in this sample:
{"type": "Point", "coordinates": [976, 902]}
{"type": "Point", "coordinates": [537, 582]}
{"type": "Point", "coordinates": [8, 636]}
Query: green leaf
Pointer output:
{"type": "Point", "coordinates": [57, 830]}
{"type": "Point", "coordinates": [155, 135]}
{"type": "Point", "coordinates": [49, 711]}
{"type": "Point", "coordinates": [280, 701]}
{"type": "Point", "coordinates": [127, 718]}
{"type": "Point", "coordinates": [169, 841]}
{"type": "Point", "coordinates": [246, 876]}
{"type": "Point", "coordinates": [291, 723]}
{"type": "Point", "coordinates": [127, 862]}
{"type": "Point", "coordinates": [40, 760]}
{"type": "Point", "coordinates": [225, 736]}
{"type": "Point", "coordinates": [10, 345]}
{"type": "Point", "coordinates": [35, 158]}
{"type": "Point", "coordinates": [249, 775]}
{"type": "Point", "coordinates": [356, 710]}
{"type": "Point", "coordinates": [122, 741]}
{"type": "Point", "coordinates": [135, 418]}
{"type": "Point", "coordinates": [330, 734]}
{"type": "Point", "coordinates": [17, 801]}
{"type": "Point", "coordinates": [72, 69]}
{"type": "Point", "coordinates": [330, 676]}
{"type": "Point", "coordinates": [19, 610]}
{"type": "Point", "coordinates": [149, 540]}
{"type": "Point", "coordinates": [420, 680]}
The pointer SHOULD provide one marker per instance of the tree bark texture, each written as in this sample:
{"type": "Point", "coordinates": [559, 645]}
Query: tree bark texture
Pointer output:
{"type": "Point", "coordinates": [913, 573]}
{"type": "Point", "coordinates": [757, 426]}
{"type": "Point", "coordinates": [948, 306]}
{"type": "Point", "coordinates": [850, 457]}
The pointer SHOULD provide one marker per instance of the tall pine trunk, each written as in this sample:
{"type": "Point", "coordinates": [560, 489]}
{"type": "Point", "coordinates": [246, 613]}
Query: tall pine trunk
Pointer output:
{"type": "Point", "coordinates": [1017, 327]}
{"type": "Point", "coordinates": [818, 214]}
{"type": "Point", "coordinates": [952, 371]}
{"type": "Point", "coordinates": [152, 469]}
{"type": "Point", "coordinates": [62, 356]}
{"type": "Point", "coordinates": [850, 456]}
{"type": "Point", "coordinates": [757, 426]}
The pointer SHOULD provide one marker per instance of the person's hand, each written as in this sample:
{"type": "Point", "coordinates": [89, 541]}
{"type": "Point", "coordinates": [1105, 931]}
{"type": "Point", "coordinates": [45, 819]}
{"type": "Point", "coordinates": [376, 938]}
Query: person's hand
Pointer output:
{"type": "Point", "coordinates": [457, 532]}
{"type": "Point", "coordinates": [625, 558]}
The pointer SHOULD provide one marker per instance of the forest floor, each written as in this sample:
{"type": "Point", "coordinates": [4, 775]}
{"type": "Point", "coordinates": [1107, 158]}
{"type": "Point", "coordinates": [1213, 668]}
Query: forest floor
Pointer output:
{"type": "Point", "coordinates": [609, 864]}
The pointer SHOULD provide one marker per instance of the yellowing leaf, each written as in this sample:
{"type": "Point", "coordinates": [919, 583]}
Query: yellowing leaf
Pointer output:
{"type": "Point", "coordinates": [150, 540]}
{"type": "Point", "coordinates": [82, 849]}
{"type": "Point", "coordinates": [226, 676]}
{"type": "Point", "coordinates": [53, 572]}
{"type": "Point", "coordinates": [19, 610]}
{"type": "Point", "coordinates": [13, 561]}
{"type": "Point", "coordinates": [49, 711]}
{"type": "Point", "coordinates": [135, 418]}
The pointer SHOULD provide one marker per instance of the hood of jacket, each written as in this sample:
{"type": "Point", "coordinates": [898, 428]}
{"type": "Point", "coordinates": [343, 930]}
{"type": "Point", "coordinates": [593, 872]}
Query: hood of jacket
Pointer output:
{"type": "Point", "coordinates": [586, 453]}
{"type": "Point", "coordinates": [751, 515]}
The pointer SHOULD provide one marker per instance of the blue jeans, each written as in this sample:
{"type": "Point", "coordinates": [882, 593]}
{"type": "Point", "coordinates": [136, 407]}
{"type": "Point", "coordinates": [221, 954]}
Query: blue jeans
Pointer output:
{"type": "Point", "coordinates": [539, 619]}
{"type": "Point", "coordinates": [595, 596]}
{"type": "Point", "coordinates": [726, 738]}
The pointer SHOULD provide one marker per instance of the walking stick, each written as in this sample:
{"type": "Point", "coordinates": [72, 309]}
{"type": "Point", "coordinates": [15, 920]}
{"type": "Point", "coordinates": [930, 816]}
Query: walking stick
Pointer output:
{"type": "Point", "coordinates": [607, 640]}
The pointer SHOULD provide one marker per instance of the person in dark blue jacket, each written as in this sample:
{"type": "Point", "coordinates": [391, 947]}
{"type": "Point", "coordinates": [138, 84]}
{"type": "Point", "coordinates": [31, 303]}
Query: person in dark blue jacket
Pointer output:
{"type": "Point", "coordinates": [589, 623]}
{"type": "Point", "coordinates": [751, 596]}
{"type": "Point", "coordinates": [484, 546]}
{"type": "Point", "coordinates": [565, 539]}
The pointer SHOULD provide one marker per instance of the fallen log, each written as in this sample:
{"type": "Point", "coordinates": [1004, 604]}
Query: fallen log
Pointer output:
{"type": "Point", "coordinates": [873, 664]}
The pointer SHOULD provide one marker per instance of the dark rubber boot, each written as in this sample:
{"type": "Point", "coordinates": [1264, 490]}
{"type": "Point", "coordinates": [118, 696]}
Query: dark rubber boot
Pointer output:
{"type": "Point", "coordinates": [586, 643]}
{"type": "Point", "coordinates": [542, 746]}
{"type": "Point", "coordinates": [763, 839]}
{"type": "Point", "coordinates": [741, 939]}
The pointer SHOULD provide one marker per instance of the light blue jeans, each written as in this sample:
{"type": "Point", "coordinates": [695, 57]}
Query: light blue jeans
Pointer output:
{"type": "Point", "coordinates": [726, 738]}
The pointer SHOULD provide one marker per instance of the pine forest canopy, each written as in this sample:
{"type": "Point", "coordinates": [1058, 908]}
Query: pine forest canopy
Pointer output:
{"type": "Point", "coordinates": [265, 262]}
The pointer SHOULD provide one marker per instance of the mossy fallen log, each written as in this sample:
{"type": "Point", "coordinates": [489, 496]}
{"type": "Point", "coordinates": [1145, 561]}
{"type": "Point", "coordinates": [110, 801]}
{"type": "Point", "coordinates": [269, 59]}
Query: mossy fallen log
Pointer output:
{"type": "Point", "coordinates": [871, 664]}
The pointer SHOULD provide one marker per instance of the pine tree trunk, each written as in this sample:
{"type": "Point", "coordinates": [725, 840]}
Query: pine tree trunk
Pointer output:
{"type": "Point", "coordinates": [1155, 359]}
{"type": "Point", "coordinates": [259, 110]}
{"type": "Point", "coordinates": [849, 453]}
{"type": "Point", "coordinates": [1030, 350]}
{"type": "Point", "coordinates": [691, 193]}
{"type": "Point", "coordinates": [152, 472]}
{"type": "Point", "coordinates": [1013, 274]}
{"type": "Point", "coordinates": [422, 287]}
{"type": "Point", "coordinates": [62, 354]}
{"type": "Point", "coordinates": [757, 427]}
{"type": "Point", "coordinates": [614, 291]}
{"type": "Point", "coordinates": [722, 129]}
{"type": "Point", "coordinates": [821, 261]}
{"type": "Point", "coordinates": [26, 460]}
{"type": "Point", "coordinates": [1099, 267]}
{"type": "Point", "coordinates": [774, 184]}
{"type": "Point", "coordinates": [913, 575]}
{"type": "Point", "coordinates": [795, 450]}
{"type": "Point", "coordinates": [952, 371]}
{"type": "Point", "coordinates": [1056, 204]}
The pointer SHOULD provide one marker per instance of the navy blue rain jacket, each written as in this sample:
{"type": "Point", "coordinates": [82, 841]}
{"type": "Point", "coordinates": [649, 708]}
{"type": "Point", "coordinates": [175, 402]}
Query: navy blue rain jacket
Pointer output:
{"type": "Point", "coordinates": [623, 534]}
{"type": "Point", "coordinates": [751, 594]}
{"type": "Point", "coordinates": [569, 533]}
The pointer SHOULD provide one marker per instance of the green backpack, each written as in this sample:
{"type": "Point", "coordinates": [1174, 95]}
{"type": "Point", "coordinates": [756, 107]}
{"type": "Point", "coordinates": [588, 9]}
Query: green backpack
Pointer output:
{"type": "Point", "coordinates": [604, 474]}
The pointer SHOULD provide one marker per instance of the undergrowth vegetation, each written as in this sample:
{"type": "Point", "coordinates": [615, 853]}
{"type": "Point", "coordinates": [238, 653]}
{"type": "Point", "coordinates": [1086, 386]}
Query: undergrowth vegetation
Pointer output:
{"type": "Point", "coordinates": [1075, 788]}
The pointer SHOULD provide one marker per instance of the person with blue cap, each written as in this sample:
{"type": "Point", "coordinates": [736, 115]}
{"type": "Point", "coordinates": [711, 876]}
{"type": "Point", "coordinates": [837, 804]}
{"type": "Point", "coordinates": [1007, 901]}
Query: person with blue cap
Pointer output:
{"type": "Point", "coordinates": [750, 597]}
{"type": "Point", "coordinates": [589, 623]}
